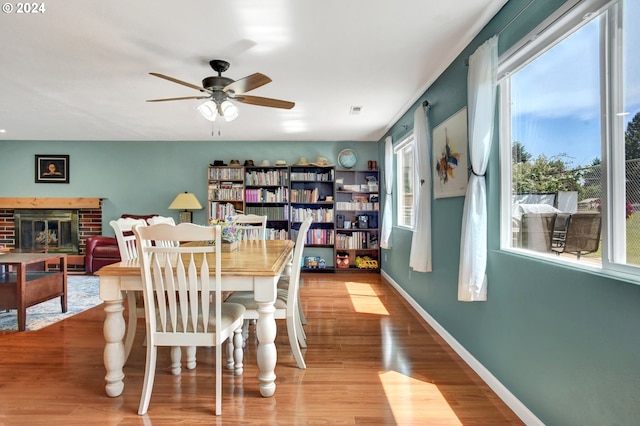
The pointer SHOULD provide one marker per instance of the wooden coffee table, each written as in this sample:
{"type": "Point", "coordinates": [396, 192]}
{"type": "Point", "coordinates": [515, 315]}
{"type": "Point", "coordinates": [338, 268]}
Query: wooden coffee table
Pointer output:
{"type": "Point", "coordinates": [25, 280]}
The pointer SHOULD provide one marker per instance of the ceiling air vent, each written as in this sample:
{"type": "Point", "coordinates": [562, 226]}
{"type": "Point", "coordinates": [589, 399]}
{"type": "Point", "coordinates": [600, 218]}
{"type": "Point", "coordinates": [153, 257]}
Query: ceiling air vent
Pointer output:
{"type": "Point", "coordinates": [356, 110]}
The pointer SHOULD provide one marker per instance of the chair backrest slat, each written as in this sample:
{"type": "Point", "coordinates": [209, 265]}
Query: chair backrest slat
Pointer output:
{"type": "Point", "coordinates": [123, 229]}
{"type": "Point", "coordinates": [176, 278]}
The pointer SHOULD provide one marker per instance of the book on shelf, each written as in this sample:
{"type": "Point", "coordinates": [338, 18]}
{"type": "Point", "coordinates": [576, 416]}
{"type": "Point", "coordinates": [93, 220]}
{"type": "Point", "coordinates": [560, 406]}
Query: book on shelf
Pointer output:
{"type": "Point", "coordinates": [316, 236]}
{"type": "Point", "coordinates": [266, 195]}
{"type": "Point", "coordinates": [272, 212]}
{"type": "Point", "coordinates": [321, 175]}
{"type": "Point", "coordinates": [221, 210]}
{"type": "Point", "coordinates": [267, 177]}
{"type": "Point", "coordinates": [357, 240]}
{"type": "Point", "coordinates": [322, 215]}
{"type": "Point", "coordinates": [304, 195]}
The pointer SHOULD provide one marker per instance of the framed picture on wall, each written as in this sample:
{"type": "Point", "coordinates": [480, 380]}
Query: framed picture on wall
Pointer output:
{"type": "Point", "coordinates": [52, 168]}
{"type": "Point", "coordinates": [450, 156]}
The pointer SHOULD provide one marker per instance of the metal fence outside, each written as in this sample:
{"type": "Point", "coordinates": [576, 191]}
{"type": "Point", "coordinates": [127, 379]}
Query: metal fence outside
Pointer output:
{"type": "Point", "coordinates": [590, 191]}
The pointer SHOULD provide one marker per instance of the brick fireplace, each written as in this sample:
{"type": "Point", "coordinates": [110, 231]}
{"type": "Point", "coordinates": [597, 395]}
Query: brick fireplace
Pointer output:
{"type": "Point", "coordinates": [89, 221]}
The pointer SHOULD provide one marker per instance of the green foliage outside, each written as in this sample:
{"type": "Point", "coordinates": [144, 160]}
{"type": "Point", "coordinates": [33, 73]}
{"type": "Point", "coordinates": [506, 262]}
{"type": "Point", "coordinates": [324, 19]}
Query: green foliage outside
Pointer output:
{"type": "Point", "coordinates": [548, 175]}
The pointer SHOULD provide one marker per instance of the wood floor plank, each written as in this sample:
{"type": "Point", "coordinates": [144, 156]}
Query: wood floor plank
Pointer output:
{"type": "Point", "coordinates": [370, 361]}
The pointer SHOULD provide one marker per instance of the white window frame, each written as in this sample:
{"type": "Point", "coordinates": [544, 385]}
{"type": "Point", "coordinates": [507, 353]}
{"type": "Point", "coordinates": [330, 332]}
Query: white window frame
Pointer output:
{"type": "Point", "coordinates": [398, 151]}
{"type": "Point", "coordinates": [570, 16]}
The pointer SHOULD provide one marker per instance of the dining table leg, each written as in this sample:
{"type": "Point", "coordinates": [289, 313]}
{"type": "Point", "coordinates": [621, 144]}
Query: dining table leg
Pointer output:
{"type": "Point", "coordinates": [265, 292]}
{"type": "Point", "coordinates": [113, 330]}
{"type": "Point", "coordinates": [267, 354]}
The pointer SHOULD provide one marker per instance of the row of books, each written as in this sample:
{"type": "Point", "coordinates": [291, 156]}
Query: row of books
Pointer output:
{"type": "Point", "coordinates": [316, 236]}
{"type": "Point", "coordinates": [355, 205]}
{"type": "Point", "coordinates": [267, 177]}
{"type": "Point", "coordinates": [272, 213]}
{"type": "Point", "coordinates": [357, 240]}
{"type": "Point", "coordinates": [231, 173]}
{"type": "Point", "coordinates": [263, 195]}
{"type": "Point", "coordinates": [304, 195]}
{"type": "Point", "coordinates": [318, 215]}
{"type": "Point", "coordinates": [313, 176]}
{"type": "Point", "coordinates": [277, 234]}
{"type": "Point", "coordinates": [226, 191]}
{"type": "Point", "coordinates": [221, 210]}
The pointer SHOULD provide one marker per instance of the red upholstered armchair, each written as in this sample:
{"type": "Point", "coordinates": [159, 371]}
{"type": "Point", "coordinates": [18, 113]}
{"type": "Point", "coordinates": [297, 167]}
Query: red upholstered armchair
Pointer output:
{"type": "Point", "coordinates": [102, 250]}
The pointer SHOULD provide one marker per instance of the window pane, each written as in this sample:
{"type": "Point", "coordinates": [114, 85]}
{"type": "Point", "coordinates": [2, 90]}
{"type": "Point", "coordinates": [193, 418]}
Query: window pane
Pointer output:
{"type": "Point", "coordinates": [405, 180]}
{"type": "Point", "coordinates": [556, 145]}
{"type": "Point", "coordinates": [631, 117]}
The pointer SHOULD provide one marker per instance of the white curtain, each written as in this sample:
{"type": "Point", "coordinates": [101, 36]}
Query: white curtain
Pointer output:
{"type": "Point", "coordinates": [387, 215]}
{"type": "Point", "coordinates": [481, 83]}
{"type": "Point", "coordinates": [420, 258]}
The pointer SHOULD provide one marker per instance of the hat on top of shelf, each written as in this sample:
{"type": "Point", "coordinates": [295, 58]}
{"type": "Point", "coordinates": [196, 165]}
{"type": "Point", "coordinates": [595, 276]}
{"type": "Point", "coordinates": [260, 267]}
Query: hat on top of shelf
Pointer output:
{"type": "Point", "coordinates": [248, 163]}
{"type": "Point", "coordinates": [302, 162]}
{"type": "Point", "coordinates": [234, 163]}
{"type": "Point", "coordinates": [265, 163]}
{"type": "Point", "coordinates": [322, 162]}
{"type": "Point", "coordinates": [281, 163]}
{"type": "Point", "coordinates": [218, 163]}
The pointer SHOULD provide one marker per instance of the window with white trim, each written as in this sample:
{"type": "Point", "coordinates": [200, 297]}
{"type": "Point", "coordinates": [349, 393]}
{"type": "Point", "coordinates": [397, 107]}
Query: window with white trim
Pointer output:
{"type": "Point", "coordinates": [406, 181]}
{"type": "Point", "coordinates": [570, 138]}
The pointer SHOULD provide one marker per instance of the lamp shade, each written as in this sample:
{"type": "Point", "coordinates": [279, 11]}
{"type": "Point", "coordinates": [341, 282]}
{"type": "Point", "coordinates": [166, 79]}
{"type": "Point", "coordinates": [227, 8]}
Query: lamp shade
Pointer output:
{"type": "Point", "coordinates": [230, 111]}
{"type": "Point", "coordinates": [208, 110]}
{"type": "Point", "coordinates": [185, 201]}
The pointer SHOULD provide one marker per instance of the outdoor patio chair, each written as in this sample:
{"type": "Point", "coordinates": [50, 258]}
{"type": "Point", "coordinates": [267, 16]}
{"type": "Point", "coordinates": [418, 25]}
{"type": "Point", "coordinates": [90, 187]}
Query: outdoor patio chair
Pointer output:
{"type": "Point", "coordinates": [583, 234]}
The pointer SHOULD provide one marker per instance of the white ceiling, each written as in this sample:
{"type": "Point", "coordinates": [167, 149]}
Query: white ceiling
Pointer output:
{"type": "Point", "coordinates": [79, 71]}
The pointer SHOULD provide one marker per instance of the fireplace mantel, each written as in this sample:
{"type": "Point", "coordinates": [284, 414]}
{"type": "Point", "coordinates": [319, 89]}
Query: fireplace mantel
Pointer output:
{"type": "Point", "coordinates": [50, 203]}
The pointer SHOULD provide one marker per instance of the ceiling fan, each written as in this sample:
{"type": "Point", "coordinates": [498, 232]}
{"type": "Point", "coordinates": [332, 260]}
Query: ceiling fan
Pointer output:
{"type": "Point", "coordinates": [219, 91]}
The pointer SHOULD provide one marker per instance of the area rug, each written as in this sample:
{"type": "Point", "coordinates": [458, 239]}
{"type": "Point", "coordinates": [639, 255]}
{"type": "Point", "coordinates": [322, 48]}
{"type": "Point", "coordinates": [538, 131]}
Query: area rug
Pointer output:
{"type": "Point", "coordinates": [83, 294]}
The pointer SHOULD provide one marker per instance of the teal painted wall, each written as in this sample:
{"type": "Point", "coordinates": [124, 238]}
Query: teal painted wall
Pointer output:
{"type": "Point", "coordinates": [144, 177]}
{"type": "Point", "coordinates": [565, 342]}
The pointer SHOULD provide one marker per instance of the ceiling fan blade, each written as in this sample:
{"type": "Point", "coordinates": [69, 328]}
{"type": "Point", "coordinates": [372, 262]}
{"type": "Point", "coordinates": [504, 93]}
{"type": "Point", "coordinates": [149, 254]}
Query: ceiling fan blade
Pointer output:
{"type": "Point", "coordinates": [248, 83]}
{"type": "Point", "coordinates": [175, 80]}
{"type": "Point", "coordinates": [177, 99]}
{"type": "Point", "coordinates": [268, 102]}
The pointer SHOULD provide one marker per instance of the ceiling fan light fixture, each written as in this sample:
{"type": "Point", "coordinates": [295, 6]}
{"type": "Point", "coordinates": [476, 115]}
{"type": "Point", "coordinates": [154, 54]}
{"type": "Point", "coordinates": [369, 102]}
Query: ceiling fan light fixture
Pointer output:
{"type": "Point", "coordinates": [208, 110]}
{"type": "Point", "coordinates": [230, 111]}
{"type": "Point", "coordinates": [218, 90]}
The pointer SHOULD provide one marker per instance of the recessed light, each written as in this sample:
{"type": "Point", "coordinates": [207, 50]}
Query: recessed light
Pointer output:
{"type": "Point", "coordinates": [3, 131]}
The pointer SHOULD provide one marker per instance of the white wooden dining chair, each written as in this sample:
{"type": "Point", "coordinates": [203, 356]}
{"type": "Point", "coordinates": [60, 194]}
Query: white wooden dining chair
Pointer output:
{"type": "Point", "coordinates": [175, 282]}
{"type": "Point", "coordinates": [123, 229]}
{"type": "Point", "coordinates": [127, 245]}
{"type": "Point", "coordinates": [155, 220]}
{"type": "Point", "coordinates": [254, 227]}
{"type": "Point", "coordinates": [287, 301]}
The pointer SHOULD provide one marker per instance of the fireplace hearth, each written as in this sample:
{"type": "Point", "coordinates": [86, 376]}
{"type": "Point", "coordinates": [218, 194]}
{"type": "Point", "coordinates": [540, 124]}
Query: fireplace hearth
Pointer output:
{"type": "Point", "coordinates": [48, 230]}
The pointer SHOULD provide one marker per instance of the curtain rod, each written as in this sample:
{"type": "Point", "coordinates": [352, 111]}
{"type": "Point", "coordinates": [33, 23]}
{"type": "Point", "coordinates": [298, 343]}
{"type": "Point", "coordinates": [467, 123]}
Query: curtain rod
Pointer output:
{"type": "Point", "coordinates": [508, 24]}
{"type": "Point", "coordinates": [403, 128]}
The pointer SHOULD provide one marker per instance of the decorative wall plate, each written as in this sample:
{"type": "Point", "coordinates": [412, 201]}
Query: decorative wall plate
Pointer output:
{"type": "Point", "coordinates": [347, 158]}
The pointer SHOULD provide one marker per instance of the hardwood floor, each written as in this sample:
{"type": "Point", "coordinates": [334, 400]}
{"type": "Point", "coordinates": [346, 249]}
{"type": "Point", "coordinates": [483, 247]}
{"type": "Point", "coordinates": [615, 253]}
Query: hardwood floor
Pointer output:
{"type": "Point", "coordinates": [370, 361]}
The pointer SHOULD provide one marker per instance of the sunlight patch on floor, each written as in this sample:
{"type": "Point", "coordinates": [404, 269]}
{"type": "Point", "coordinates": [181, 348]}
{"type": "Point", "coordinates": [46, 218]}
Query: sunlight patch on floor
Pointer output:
{"type": "Point", "coordinates": [412, 399]}
{"type": "Point", "coordinates": [364, 299]}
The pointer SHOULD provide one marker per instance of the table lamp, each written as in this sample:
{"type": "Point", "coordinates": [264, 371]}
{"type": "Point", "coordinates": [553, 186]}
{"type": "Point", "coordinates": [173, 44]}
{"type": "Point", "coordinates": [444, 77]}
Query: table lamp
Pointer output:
{"type": "Point", "coordinates": [185, 201]}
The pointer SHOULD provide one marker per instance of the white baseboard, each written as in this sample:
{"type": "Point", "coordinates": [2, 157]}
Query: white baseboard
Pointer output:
{"type": "Point", "coordinates": [503, 393]}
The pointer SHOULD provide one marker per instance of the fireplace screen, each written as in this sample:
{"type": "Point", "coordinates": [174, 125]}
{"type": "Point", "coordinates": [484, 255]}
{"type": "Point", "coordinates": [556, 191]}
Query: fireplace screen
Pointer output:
{"type": "Point", "coordinates": [54, 231]}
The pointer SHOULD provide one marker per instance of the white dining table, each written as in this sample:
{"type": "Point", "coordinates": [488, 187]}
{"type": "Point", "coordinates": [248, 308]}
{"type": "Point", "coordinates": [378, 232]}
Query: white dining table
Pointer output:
{"type": "Point", "coordinates": [255, 266]}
